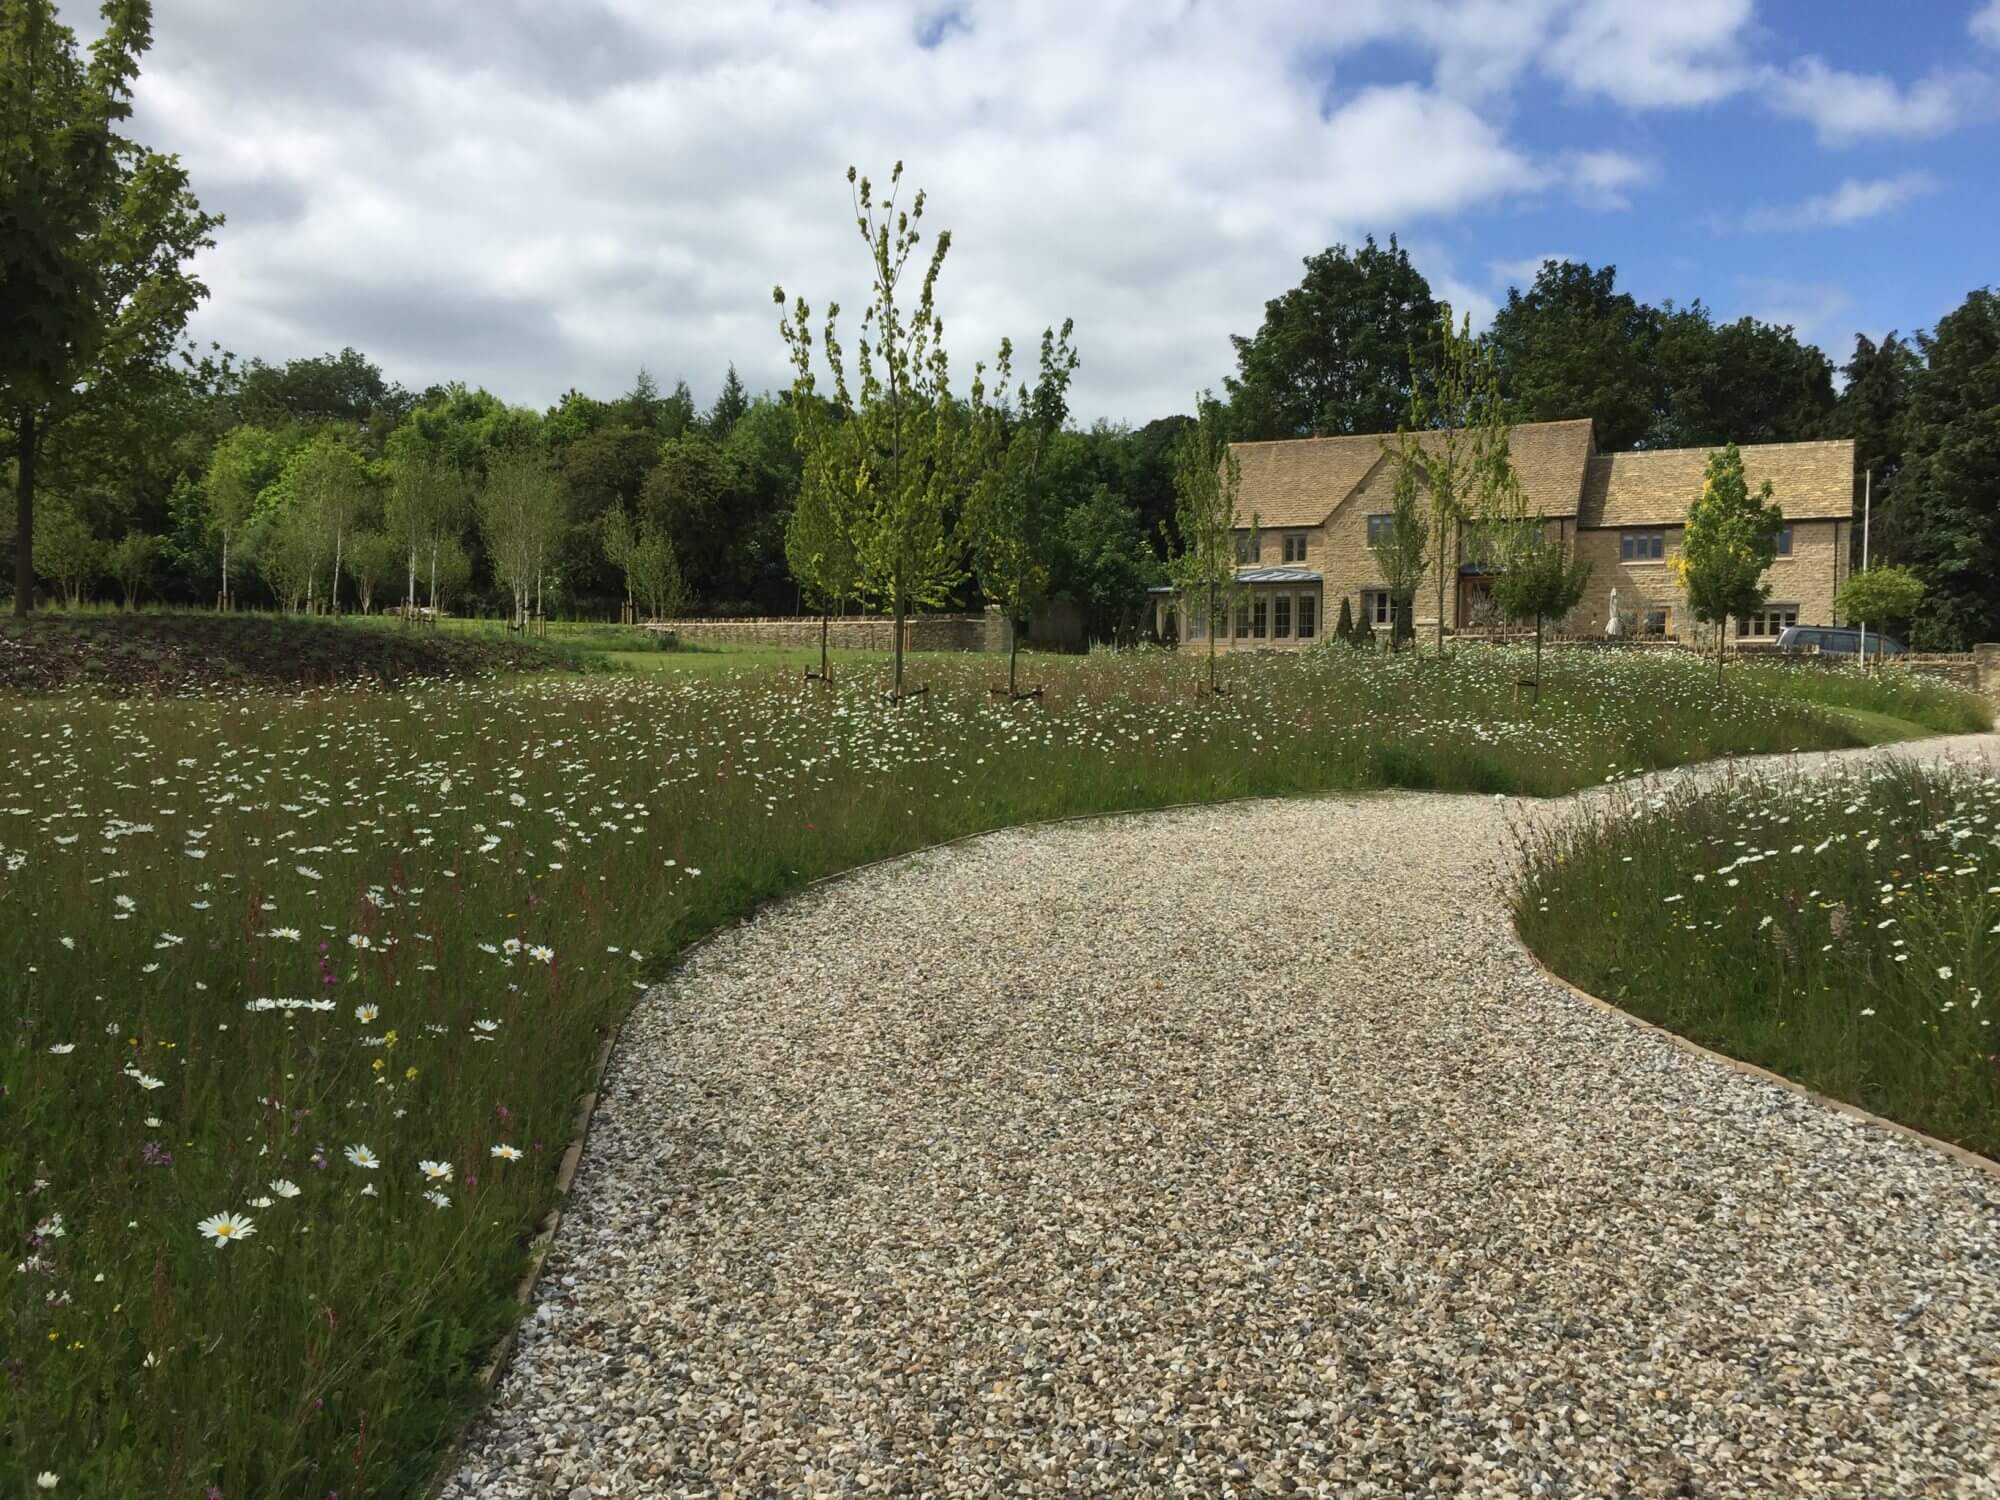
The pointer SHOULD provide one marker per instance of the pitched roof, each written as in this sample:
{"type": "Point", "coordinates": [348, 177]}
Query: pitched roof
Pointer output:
{"type": "Point", "coordinates": [1299, 481]}
{"type": "Point", "coordinates": [1302, 481]}
{"type": "Point", "coordinates": [1809, 481]}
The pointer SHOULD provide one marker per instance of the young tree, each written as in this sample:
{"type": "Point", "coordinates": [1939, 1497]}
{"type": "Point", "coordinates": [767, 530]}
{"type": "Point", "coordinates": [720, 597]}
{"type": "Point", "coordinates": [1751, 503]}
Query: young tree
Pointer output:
{"type": "Point", "coordinates": [906, 461]}
{"type": "Point", "coordinates": [95, 235]}
{"type": "Point", "coordinates": [1207, 480]}
{"type": "Point", "coordinates": [1107, 563]}
{"type": "Point", "coordinates": [1881, 595]}
{"type": "Point", "coordinates": [1011, 514]}
{"type": "Point", "coordinates": [522, 510]}
{"type": "Point", "coordinates": [1403, 552]}
{"type": "Point", "coordinates": [66, 552]}
{"type": "Point", "coordinates": [619, 540]}
{"type": "Point", "coordinates": [329, 485]}
{"type": "Point", "coordinates": [241, 467]}
{"type": "Point", "coordinates": [819, 536]}
{"type": "Point", "coordinates": [372, 561]}
{"type": "Point", "coordinates": [426, 504]}
{"type": "Point", "coordinates": [1730, 542]}
{"type": "Point", "coordinates": [1541, 581]}
{"type": "Point", "coordinates": [132, 559]}
{"type": "Point", "coordinates": [1344, 631]}
{"type": "Point", "coordinates": [656, 573]}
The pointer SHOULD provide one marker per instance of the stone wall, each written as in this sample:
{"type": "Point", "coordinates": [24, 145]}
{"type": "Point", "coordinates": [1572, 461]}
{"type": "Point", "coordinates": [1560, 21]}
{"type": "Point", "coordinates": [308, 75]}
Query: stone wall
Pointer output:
{"type": "Point", "coordinates": [983, 632]}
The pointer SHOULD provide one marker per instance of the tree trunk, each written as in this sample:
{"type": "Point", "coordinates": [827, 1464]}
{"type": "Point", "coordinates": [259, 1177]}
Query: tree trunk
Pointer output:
{"type": "Point", "coordinates": [898, 693]}
{"type": "Point", "coordinates": [1212, 628]}
{"type": "Point", "coordinates": [24, 511]}
{"type": "Point", "coordinates": [333, 597]}
{"type": "Point", "coordinates": [410, 593]}
{"type": "Point", "coordinates": [434, 579]}
{"type": "Point", "coordinates": [225, 568]}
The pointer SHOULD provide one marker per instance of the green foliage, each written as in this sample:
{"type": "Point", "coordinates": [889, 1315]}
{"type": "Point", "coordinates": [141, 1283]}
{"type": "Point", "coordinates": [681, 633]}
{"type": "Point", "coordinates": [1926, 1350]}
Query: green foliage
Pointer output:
{"type": "Point", "coordinates": [66, 552]}
{"type": "Point", "coordinates": [1572, 346]}
{"type": "Point", "coordinates": [1874, 405]}
{"type": "Point", "coordinates": [688, 497]}
{"type": "Point", "coordinates": [1105, 563]}
{"type": "Point", "coordinates": [373, 560]}
{"type": "Point", "coordinates": [1730, 542]}
{"type": "Point", "coordinates": [730, 405]}
{"type": "Point", "coordinates": [426, 510]}
{"type": "Point", "coordinates": [1848, 969]}
{"type": "Point", "coordinates": [1941, 518]}
{"type": "Point", "coordinates": [1334, 354]}
{"type": "Point", "coordinates": [131, 560]}
{"type": "Point", "coordinates": [1344, 631]}
{"type": "Point", "coordinates": [1207, 479]}
{"type": "Point", "coordinates": [906, 459]}
{"type": "Point", "coordinates": [1883, 595]}
{"type": "Point", "coordinates": [1011, 516]}
{"type": "Point", "coordinates": [523, 509]}
{"type": "Point", "coordinates": [95, 235]}
{"type": "Point", "coordinates": [656, 575]}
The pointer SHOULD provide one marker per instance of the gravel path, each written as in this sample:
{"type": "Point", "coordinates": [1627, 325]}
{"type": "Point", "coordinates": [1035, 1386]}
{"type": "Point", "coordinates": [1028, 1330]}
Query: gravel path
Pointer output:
{"type": "Point", "coordinates": [1132, 1157]}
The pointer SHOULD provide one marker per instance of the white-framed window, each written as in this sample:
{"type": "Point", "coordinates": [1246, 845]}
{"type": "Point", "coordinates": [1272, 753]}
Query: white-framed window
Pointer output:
{"type": "Point", "coordinates": [1380, 528]}
{"type": "Point", "coordinates": [1642, 546]}
{"type": "Point", "coordinates": [1281, 617]}
{"type": "Point", "coordinates": [1242, 622]}
{"type": "Point", "coordinates": [1295, 546]}
{"type": "Point", "coordinates": [1377, 608]}
{"type": "Point", "coordinates": [1785, 540]}
{"type": "Point", "coordinates": [1308, 616]}
{"type": "Point", "coordinates": [1768, 621]}
{"type": "Point", "coordinates": [1657, 621]}
{"type": "Point", "coordinates": [1260, 610]}
{"type": "Point", "coordinates": [1249, 546]}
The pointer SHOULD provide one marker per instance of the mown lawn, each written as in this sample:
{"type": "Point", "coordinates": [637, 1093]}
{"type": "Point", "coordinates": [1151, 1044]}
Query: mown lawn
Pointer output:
{"type": "Point", "coordinates": [335, 962]}
{"type": "Point", "coordinates": [1842, 930]}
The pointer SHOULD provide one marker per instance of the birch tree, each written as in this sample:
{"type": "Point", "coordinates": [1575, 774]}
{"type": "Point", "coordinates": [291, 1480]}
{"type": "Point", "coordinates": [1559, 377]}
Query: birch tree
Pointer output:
{"type": "Point", "coordinates": [522, 510]}
{"type": "Point", "coordinates": [426, 501]}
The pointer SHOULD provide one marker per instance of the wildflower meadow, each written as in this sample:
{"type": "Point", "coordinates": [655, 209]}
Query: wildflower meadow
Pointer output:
{"type": "Point", "coordinates": [304, 988]}
{"type": "Point", "coordinates": [1842, 930]}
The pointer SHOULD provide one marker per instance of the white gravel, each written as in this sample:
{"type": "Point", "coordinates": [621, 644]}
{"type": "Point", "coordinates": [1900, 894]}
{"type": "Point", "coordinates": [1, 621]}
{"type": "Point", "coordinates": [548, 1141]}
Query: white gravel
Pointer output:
{"type": "Point", "coordinates": [1227, 1152]}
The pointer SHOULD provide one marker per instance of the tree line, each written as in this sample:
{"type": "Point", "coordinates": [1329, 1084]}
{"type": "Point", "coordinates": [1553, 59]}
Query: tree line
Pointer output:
{"type": "Point", "coordinates": [186, 475]}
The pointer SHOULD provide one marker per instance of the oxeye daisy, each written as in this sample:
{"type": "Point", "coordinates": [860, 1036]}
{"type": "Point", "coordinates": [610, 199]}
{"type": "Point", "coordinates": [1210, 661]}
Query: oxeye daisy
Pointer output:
{"type": "Point", "coordinates": [366, 1013]}
{"type": "Point", "coordinates": [507, 1153]}
{"type": "Point", "coordinates": [222, 1228]}
{"type": "Point", "coordinates": [62, 1049]}
{"type": "Point", "coordinates": [442, 1200]}
{"type": "Point", "coordinates": [436, 1171]}
{"type": "Point", "coordinates": [361, 1156]}
{"type": "Point", "coordinates": [284, 1187]}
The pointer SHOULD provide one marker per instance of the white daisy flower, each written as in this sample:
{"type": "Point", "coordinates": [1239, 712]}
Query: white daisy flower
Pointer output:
{"type": "Point", "coordinates": [222, 1228]}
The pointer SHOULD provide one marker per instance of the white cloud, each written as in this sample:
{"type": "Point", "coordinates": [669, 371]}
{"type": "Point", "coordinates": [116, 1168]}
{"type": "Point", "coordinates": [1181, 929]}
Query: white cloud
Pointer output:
{"type": "Point", "coordinates": [1654, 54]}
{"type": "Point", "coordinates": [1985, 24]}
{"type": "Point", "coordinates": [1598, 179]}
{"type": "Point", "coordinates": [1855, 200]}
{"type": "Point", "coordinates": [1808, 308]}
{"type": "Point", "coordinates": [533, 203]}
{"type": "Point", "coordinates": [1845, 107]}
{"type": "Point", "coordinates": [1521, 273]}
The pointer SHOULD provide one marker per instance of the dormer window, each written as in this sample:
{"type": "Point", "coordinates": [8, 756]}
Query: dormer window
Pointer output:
{"type": "Point", "coordinates": [1295, 546]}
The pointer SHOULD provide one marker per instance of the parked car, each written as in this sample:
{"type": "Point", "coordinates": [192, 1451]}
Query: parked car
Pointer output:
{"type": "Point", "coordinates": [1838, 640]}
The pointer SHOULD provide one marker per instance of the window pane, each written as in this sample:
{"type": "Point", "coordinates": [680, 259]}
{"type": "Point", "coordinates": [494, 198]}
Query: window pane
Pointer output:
{"type": "Point", "coordinates": [1257, 612]}
{"type": "Point", "coordinates": [1281, 617]}
{"type": "Point", "coordinates": [1242, 622]}
{"type": "Point", "coordinates": [1307, 610]}
{"type": "Point", "coordinates": [1784, 541]}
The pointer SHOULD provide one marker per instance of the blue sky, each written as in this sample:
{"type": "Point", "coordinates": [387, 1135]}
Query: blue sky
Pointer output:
{"type": "Point", "coordinates": [535, 197]}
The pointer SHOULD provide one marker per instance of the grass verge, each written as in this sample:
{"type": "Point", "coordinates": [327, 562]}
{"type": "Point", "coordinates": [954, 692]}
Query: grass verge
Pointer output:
{"type": "Point", "coordinates": [336, 964]}
{"type": "Point", "coordinates": [1842, 930]}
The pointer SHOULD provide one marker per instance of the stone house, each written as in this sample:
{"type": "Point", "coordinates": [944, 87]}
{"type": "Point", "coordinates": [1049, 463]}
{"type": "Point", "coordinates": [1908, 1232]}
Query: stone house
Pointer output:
{"type": "Point", "coordinates": [1317, 502]}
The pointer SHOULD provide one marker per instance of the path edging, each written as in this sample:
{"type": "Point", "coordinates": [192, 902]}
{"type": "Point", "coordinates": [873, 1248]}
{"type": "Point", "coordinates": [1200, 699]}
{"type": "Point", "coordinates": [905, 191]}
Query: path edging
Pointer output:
{"type": "Point", "coordinates": [1909, 1133]}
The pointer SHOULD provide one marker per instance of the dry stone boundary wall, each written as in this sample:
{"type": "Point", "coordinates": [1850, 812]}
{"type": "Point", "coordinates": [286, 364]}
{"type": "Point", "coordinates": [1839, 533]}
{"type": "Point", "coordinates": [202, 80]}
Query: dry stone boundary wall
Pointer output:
{"type": "Point", "coordinates": [982, 632]}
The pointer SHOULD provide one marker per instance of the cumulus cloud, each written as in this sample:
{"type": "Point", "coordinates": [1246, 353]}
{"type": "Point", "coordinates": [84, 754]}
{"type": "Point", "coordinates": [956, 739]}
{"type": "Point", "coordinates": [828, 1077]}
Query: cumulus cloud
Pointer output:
{"type": "Point", "coordinates": [1654, 54]}
{"type": "Point", "coordinates": [1854, 201]}
{"type": "Point", "coordinates": [533, 197]}
{"type": "Point", "coordinates": [1845, 107]}
{"type": "Point", "coordinates": [1985, 24]}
